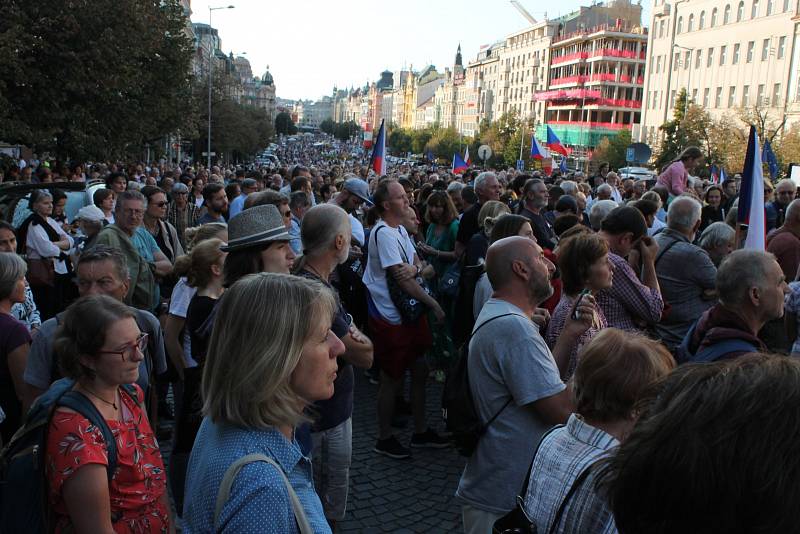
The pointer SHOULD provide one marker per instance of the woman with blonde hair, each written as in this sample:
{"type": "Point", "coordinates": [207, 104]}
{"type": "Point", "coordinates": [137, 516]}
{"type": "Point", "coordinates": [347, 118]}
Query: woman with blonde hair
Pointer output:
{"type": "Point", "coordinates": [246, 469]}
{"type": "Point", "coordinates": [203, 270]}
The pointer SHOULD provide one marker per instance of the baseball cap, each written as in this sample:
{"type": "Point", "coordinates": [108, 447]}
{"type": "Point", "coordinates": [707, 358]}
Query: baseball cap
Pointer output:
{"type": "Point", "coordinates": [359, 188]}
{"type": "Point", "coordinates": [90, 213]}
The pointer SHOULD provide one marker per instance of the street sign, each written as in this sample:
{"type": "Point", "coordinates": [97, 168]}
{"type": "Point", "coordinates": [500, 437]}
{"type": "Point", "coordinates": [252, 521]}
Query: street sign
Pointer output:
{"type": "Point", "coordinates": [520, 165]}
{"type": "Point", "coordinates": [484, 152]}
{"type": "Point", "coordinates": [638, 153]}
{"type": "Point", "coordinates": [206, 154]}
{"type": "Point", "coordinates": [630, 155]}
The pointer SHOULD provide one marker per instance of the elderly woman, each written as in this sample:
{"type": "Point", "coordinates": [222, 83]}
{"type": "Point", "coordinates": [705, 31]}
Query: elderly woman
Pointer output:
{"type": "Point", "coordinates": [90, 221]}
{"type": "Point", "coordinates": [46, 244]}
{"type": "Point", "coordinates": [616, 371]}
{"type": "Point", "coordinates": [182, 214]}
{"type": "Point", "coordinates": [255, 392]}
{"type": "Point", "coordinates": [100, 347]}
{"type": "Point", "coordinates": [585, 270]}
{"type": "Point", "coordinates": [718, 240]}
{"type": "Point", "coordinates": [15, 342]}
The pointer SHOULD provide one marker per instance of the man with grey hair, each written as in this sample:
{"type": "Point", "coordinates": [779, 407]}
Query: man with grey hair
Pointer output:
{"type": "Point", "coordinates": [598, 212]}
{"type": "Point", "coordinates": [784, 243]}
{"type": "Point", "coordinates": [718, 241]}
{"type": "Point", "coordinates": [604, 192]}
{"type": "Point", "coordinates": [454, 191]}
{"type": "Point", "coordinates": [487, 187]}
{"type": "Point", "coordinates": [686, 274]}
{"type": "Point", "coordinates": [569, 187]}
{"type": "Point", "coordinates": [249, 185]}
{"type": "Point", "coordinates": [785, 193]}
{"type": "Point", "coordinates": [101, 270]}
{"type": "Point", "coordinates": [751, 289]}
{"type": "Point", "coordinates": [612, 180]}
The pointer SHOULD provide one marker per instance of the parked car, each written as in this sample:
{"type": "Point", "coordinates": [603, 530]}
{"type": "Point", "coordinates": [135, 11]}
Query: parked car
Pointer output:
{"type": "Point", "coordinates": [637, 173]}
{"type": "Point", "coordinates": [14, 198]}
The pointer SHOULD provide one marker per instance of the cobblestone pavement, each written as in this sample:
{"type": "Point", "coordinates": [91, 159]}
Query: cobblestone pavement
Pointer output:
{"type": "Point", "coordinates": [402, 496]}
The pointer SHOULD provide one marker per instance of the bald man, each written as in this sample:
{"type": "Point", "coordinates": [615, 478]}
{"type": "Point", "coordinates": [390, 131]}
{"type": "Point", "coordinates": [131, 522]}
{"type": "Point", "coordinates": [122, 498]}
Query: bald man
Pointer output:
{"type": "Point", "coordinates": [515, 380]}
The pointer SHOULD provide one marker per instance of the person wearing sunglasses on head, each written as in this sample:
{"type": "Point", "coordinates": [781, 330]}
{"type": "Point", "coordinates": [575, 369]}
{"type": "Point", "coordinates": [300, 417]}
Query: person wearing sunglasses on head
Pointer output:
{"type": "Point", "coordinates": [100, 347]}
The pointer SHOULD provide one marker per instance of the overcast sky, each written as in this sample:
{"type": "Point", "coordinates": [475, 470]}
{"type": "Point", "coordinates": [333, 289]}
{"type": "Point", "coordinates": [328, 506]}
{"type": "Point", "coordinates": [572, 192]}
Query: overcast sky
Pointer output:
{"type": "Point", "coordinates": [312, 45]}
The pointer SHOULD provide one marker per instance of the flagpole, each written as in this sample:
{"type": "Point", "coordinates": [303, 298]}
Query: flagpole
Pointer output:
{"type": "Point", "coordinates": [521, 139]}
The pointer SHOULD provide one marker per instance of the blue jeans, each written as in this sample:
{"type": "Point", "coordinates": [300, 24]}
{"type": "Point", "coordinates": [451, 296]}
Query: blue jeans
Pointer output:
{"type": "Point", "coordinates": [331, 456]}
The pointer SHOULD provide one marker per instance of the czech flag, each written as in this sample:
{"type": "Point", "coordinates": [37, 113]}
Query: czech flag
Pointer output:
{"type": "Point", "coordinates": [722, 176]}
{"type": "Point", "coordinates": [751, 196]}
{"type": "Point", "coordinates": [554, 143]}
{"type": "Point", "coordinates": [378, 159]}
{"type": "Point", "coordinates": [459, 165]}
{"type": "Point", "coordinates": [537, 150]}
{"type": "Point", "coordinates": [466, 157]}
{"type": "Point", "coordinates": [714, 174]}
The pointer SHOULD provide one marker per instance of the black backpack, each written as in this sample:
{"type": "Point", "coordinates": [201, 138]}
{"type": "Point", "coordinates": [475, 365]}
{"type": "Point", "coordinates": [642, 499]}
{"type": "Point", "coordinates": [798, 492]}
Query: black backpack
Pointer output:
{"type": "Point", "coordinates": [458, 407]}
{"type": "Point", "coordinates": [23, 484]}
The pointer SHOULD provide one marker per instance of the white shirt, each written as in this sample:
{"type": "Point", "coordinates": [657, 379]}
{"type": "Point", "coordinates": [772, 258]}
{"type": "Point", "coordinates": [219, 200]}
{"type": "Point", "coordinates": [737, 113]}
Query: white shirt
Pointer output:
{"type": "Point", "coordinates": [39, 245]}
{"type": "Point", "coordinates": [393, 247]}
{"type": "Point", "coordinates": [356, 229]}
{"type": "Point", "coordinates": [657, 225]}
{"type": "Point", "coordinates": [182, 295]}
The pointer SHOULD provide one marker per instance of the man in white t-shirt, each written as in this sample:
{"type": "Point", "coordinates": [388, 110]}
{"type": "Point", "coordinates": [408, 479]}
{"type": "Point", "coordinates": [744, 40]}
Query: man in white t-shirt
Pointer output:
{"type": "Point", "coordinates": [399, 345]}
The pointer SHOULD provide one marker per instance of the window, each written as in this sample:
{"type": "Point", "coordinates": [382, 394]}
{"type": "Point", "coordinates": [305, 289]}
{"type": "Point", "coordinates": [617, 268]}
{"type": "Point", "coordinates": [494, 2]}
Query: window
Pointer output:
{"type": "Point", "coordinates": [751, 46]}
{"type": "Point", "coordinates": [710, 57]}
{"type": "Point", "coordinates": [781, 47]}
{"type": "Point", "coordinates": [694, 96]}
{"type": "Point", "coordinates": [701, 23]}
{"type": "Point", "coordinates": [690, 26]}
{"type": "Point", "coordinates": [735, 54]}
{"type": "Point", "coordinates": [732, 96]}
{"type": "Point", "coordinates": [706, 93]}
{"type": "Point", "coordinates": [661, 28]}
{"type": "Point", "coordinates": [672, 99]}
{"type": "Point", "coordinates": [740, 12]}
{"type": "Point", "coordinates": [687, 59]}
{"type": "Point", "coordinates": [713, 17]}
{"type": "Point", "coordinates": [776, 95]}
{"type": "Point", "coordinates": [718, 98]}
{"type": "Point", "coordinates": [785, 6]}
{"type": "Point", "coordinates": [754, 10]}
{"type": "Point", "coordinates": [658, 64]}
{"type": "Point", "coordinates": [745, 95]}
{"type": "Point", "coordinates": [676, 60]}
{"type": "Point", "coordinates": [698, 60]}
{"type": "Point", "coordinates": [723, 52]}
{"type": "Point", "coordinates": [760, 95]}
{"type": "Point", "coordinates": [726, 17]}
{"type": "Point", "coordinates": [765, 49]}
{"type": "Point", "coordinates": [770, 7]}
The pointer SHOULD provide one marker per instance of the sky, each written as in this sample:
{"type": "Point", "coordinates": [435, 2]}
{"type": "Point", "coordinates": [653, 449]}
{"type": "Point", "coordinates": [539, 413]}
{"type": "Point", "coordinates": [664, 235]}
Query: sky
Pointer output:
{"type": "Point", "coordinates": [312, 45]}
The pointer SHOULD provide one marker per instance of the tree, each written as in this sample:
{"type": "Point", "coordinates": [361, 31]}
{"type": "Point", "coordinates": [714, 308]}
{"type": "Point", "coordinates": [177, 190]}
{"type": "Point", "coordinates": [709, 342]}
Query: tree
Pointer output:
{"type": "Point", "coordinates": [399, 140]}
{"type": "Point", "coordinates": [327, 126]}
{"type": "Point", "coordinates": [94, 78]}
{"type": "Point", "coordinates": [690, 126]}
{"type": "Point", "coordinates": [284, 125]}
{"type": "Point", "coordinates": [613, 150]}
{"type": "Point", "coordinates": [346, 130]}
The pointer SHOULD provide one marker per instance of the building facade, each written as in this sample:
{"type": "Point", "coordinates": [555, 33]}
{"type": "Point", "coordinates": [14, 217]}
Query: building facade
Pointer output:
{"type": "Point", "coordinates": [726, 54]}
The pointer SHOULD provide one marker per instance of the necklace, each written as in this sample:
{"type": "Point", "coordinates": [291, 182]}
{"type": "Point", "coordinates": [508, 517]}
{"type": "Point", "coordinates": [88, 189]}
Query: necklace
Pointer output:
{"type": "Point", "coordinates": [98, 397]}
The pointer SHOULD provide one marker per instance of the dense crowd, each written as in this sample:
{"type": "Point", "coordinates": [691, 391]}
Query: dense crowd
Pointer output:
{"type": "Point", "coordinates": [629, 366]}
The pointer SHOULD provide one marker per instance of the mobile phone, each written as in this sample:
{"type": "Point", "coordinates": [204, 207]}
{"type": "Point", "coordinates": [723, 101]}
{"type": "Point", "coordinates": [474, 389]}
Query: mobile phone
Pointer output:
{"type": "Point", "coordinates": [575, 313]}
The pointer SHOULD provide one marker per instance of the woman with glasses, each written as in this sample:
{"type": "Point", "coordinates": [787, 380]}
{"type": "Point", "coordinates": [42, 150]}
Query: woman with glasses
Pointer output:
{"type": "Point", "coordinates": [182, 214]}
{"type": "Point", "coordinates": [99, 346]}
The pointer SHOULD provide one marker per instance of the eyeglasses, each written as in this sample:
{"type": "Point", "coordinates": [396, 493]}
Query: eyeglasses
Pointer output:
{"type": "Point", "coordinates": [161, 204]}
{"type": "Point", "coordinates": [140, 346]}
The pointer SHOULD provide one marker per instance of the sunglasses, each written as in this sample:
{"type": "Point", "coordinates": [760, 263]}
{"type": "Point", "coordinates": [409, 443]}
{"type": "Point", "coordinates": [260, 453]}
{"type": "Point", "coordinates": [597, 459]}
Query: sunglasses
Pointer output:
{"type": "Point", "coordinates": [161, 204]}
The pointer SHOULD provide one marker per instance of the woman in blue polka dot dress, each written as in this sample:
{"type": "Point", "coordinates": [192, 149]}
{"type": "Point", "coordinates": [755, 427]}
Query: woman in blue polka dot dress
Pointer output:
{"type": "Point", "coordinates": [271, 354]}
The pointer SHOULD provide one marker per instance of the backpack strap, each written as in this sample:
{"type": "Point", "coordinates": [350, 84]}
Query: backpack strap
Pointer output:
{"type": "Point", "coordinates": [665, 249]}
{"type": "Point", "coordinates": [77, 401]}
{"type": "Point", "coordinates": [224, 491]}
{"type": "Point", "coordinates": [521, 496]}
{"type": "Point", "coordinates": [466, 367]}
{"type": "Point", "coordinates": [717, 350]}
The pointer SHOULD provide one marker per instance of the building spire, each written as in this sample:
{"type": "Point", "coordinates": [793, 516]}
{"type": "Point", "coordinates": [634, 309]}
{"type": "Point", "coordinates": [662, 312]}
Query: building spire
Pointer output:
{"type": "Point", "coordinates": [458, 56]}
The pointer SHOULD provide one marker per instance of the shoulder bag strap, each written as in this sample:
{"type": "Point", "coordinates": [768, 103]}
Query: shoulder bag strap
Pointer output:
{"type": "Point", "coordinates": [230, 475]}
{"type": "Point", "coordinates": [77, 401]}
{"type": "Point", "coordinates": [575, 485]}
{"type": "Point", "coordinates": [664, 251]}
{"type": "Point", "coordinates": [495, 416]}
{"type": "Point", "coordinates": [521, 497]}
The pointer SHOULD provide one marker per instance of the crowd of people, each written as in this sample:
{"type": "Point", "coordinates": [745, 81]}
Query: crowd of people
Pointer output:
{"type": "Point", "coordinates": [632, 368]}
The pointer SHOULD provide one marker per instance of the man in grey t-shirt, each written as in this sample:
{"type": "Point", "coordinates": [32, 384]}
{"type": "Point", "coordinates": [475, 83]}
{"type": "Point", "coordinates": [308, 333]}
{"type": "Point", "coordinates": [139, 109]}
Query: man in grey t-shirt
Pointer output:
{"type": "Point", "coordinates": [513, 373]}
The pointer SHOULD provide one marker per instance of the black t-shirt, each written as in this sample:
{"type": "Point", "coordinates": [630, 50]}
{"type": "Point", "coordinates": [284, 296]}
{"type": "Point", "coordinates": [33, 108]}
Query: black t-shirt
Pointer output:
{"type": "Point", "coordinates": [468, 226]}
{"type": "Point", "coordinates": [197, 313]}
{"type": "Point", "coordinates": [338, 409]}
{"type": "Point", "coordinates": [544, 233]}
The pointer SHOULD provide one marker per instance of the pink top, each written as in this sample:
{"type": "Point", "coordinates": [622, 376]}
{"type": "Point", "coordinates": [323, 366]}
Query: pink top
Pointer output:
{"type": "Point", "coordinates": [675, 178]}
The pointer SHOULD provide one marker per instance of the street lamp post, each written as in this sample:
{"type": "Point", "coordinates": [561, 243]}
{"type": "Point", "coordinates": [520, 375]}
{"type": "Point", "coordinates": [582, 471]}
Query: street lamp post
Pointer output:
{"type": "Point", "coordinates": [210, 70]}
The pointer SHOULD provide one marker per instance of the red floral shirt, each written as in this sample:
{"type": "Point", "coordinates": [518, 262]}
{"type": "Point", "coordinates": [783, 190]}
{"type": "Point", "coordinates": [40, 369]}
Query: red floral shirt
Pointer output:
{"type": "Point", "coordinates": [139, 482]}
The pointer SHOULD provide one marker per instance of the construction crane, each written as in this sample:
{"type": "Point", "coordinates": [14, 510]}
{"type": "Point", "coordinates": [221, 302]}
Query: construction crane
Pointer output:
{"type": "Point", "coordinates": [523, 12]}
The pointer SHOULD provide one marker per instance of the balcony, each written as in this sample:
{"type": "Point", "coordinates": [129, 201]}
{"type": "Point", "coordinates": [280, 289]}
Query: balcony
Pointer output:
{"type": "Point", "coordinates": [566, 94]}
{"type": "Point", "coordinates": [599, 125]}
{"type": "Point", "coordinates": [613, 52]}
{"type": "Point", "coordinates": [597, 78]}
{"type": "Point", "coordinates": [568, 57]}
{"type": "Point", "coordinates": [616, 28]}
